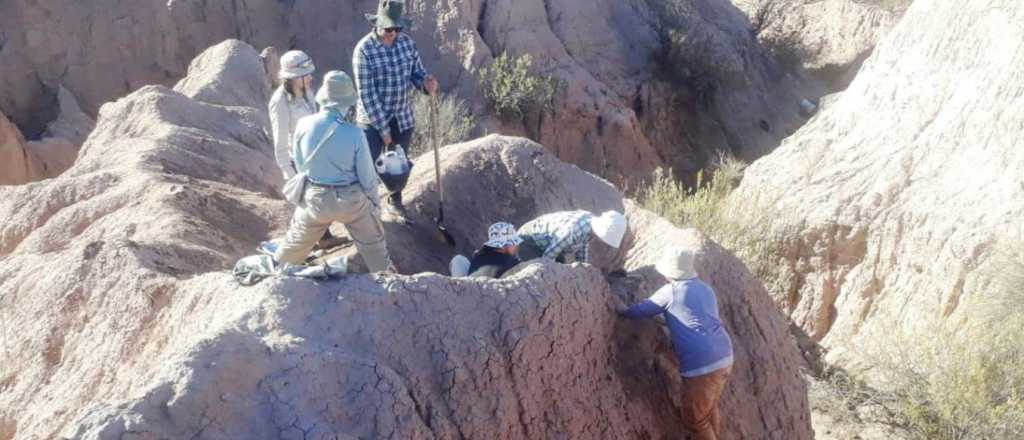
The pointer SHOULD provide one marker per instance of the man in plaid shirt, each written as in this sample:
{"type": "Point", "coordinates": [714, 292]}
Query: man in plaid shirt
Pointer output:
{"type": "Point", "coordinates": [386, 65]}
{"type": "Point", "coordinates": [565, 234]}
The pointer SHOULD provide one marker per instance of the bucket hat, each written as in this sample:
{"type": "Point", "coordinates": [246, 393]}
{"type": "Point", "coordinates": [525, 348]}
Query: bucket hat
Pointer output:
{"type": "Point", "coordinates": [677, 264]}
{"type": "Point", "coordinates": [502, 234]}
{"type": "Point", "coordinates": [295, 64]}
{"type": "Point", "coordinates": [338, 92]}
{"type": "Point", "coordinates": [389, 15]}
{"type": "Point", "coordinates": [610, 227]}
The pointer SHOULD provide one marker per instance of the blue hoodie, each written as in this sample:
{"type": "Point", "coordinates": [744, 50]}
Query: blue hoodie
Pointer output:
{"type": "Point", "coordinates": [691, 310]}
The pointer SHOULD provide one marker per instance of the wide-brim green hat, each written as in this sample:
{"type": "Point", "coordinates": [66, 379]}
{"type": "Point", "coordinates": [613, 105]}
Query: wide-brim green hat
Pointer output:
{"type": "Point", "coordinates": [338, 92]}
{"type": "Point", "coordinates": [389, 15]}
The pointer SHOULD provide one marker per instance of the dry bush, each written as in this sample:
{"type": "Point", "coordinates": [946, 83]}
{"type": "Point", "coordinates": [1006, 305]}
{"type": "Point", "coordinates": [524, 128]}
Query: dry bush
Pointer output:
{"type": "Point", "coordinates": [756, 235]}
{"type": "Point", "coordinates": [453, 121]}
{"type": "Point", "coordinates": [513, 89]}
{"type": "Point", "coordinates": [958, 381]}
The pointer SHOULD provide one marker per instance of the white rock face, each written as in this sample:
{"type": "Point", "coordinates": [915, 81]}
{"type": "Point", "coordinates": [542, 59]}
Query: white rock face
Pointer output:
{"type": "Point", "coordinates": [827, 38]}
{"type": "Point", "coordinates": [906, 182]}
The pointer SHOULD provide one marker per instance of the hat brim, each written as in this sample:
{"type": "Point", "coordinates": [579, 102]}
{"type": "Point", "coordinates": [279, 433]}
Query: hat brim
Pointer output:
{"type": "Point", "coordinates": [673, 272]}
{"type": "Point", "coordinates": [498, 244]}
{"type": "Point", "coordinates": [385, 22]}
{"type": "Point", "coordinates": [295, 73]}
{"type": "Point", "coordinates": [326, 102]}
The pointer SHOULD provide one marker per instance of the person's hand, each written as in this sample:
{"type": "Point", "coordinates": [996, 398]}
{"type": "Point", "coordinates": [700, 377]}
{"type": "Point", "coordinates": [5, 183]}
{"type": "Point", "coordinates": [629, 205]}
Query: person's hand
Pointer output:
{"type": "Point", "coordinates": [386, 138]}
{"type": "Point", "coordinates": [431, 85]}
{"type": "Point", "coordinates": [620, 308]}
{"type": "Point", "coordinates": [618, 305]}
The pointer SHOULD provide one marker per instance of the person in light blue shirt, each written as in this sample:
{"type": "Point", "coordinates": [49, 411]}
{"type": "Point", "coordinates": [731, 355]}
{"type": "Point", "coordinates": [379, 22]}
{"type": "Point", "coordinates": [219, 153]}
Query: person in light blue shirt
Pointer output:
{"type": "Point", "coordinates": [341, 180]}
{"type": "Point", "coordinates": [700, 341]}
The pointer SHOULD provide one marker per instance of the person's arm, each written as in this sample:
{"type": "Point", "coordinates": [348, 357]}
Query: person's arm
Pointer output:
{"type": "Point", "coordinates": [655, 305]}
{"type": "Point", "coordinates": [365, 171]}
{"type": "Point", "coordinates": [582, 253]}
{"type": "Point", "coordinates": [365, 87]}
{"type": "Point", "coordinates": [279, 120]}
{"type": "Point", "coordinates": [419, 75]}
{"type": "Point", "coordinates": [296, 161]}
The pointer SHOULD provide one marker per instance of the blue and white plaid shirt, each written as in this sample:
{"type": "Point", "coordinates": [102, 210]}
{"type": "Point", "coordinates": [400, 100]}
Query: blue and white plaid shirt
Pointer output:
{"type": "Point", "coordinates": [560, 233]}
{"type": "Point", "coordinates": [383, 77]}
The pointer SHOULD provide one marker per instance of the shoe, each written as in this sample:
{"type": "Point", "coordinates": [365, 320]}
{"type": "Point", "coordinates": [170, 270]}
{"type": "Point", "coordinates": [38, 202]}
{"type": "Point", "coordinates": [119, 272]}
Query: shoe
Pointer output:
{"type": "Point", "coordinates": [396, 211]}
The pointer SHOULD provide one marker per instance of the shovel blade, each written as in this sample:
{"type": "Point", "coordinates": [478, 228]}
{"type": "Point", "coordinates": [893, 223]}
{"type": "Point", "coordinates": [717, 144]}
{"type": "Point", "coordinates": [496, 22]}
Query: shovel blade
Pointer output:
{"type": "Point", "coordinates": [445, 236]}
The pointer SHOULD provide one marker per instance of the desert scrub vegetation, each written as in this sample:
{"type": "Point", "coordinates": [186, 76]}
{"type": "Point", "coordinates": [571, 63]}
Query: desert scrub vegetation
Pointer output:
{"type": "Point", "coordinates": [692, 53]}
{"type": "Point", "coordinates": [756, 235]}
{"type": "Point", "coordinates": [964, 380]}
{"type": "Point", "coordinates": [514, 90]}
{"type": "Point", "coordinates": [951, 380]}
{"type": "Point", "coordinates": [454, 122]}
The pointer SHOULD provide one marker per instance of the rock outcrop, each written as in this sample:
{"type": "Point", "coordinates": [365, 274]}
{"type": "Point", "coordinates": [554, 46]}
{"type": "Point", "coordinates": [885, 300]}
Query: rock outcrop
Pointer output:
{"type": "Point", "coordinates": [128, 325]}
{"type": "Point", "coordinates": [17, 166]}
{"type": "Point", "coordinates": [617, 117]}
{"type": "Point", "coordinates": [72, 123]}
{"type": "Point", "coordinates": [901, 188]}
{"type": "Point", "coordinates": [828, 39]}
{"type": "Point", "coordinates": [23, 162]}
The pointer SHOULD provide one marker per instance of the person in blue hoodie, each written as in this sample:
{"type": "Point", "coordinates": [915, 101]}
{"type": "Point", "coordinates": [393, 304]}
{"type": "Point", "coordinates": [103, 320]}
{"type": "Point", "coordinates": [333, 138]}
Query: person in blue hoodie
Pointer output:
{"type": "Point", "coordinates": [700, 341]}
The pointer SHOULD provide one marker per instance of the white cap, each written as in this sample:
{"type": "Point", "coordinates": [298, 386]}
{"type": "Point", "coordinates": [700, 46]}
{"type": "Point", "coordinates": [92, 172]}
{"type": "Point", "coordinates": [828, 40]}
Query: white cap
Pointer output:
{"type": "Point", "coordinates": [295, 64]}
{"type": "Point", "coordinates": [610, 227]}
{"type": "Point", "coordinates": [677, 264]}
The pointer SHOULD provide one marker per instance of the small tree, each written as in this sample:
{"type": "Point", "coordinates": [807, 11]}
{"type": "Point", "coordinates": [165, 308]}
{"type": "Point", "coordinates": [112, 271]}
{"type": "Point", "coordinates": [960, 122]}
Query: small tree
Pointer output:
{"type": "Point", "coordinates": [513, 90]}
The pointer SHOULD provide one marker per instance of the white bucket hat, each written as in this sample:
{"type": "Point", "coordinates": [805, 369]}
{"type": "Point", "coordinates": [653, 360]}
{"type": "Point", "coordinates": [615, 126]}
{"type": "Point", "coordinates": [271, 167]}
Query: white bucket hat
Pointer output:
{"type": "Point", "coordinates": [338, 91]}
{"type": "Point", "coordinates": [502, 234]}
{"type": "Point", "coordinates": [610, 227]}
{"type": "Point", "coordinates": [295, 64]}
{"type": "Point", "coordinates": [677, 264]}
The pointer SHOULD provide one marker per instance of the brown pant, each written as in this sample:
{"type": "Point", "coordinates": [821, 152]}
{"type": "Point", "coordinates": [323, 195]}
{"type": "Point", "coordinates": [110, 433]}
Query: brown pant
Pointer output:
{"type": "Point", "coordinates": [700, 403]}
{"type": "Point", "coordinates": [348, 205]}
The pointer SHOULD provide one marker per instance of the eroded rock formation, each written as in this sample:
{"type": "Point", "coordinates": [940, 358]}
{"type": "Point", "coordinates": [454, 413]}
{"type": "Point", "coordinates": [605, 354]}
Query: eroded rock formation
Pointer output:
{"type": "Point", "coordinates": [828, 39]}
{"type": "Point", "coordinates": [17, 165]}
{"type": "Point", "coordinates": [121, 321]}
{"type": "Point", "coordinates": [23, 162]}
{"type": "Point", "coordinates": [618, 117]}
{"type": "Point", "coordinates": [902, 187]}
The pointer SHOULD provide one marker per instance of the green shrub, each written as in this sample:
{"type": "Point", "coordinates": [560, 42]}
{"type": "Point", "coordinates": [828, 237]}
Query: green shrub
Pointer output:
{"type": "Point", "coordinates": [962, 379]}
{"type": "Point", "coordinates": [454, 122]}
{"type": "Point", "coordinates": [755, 235]}
{"type": "Point", "coordinates": [513, 90]}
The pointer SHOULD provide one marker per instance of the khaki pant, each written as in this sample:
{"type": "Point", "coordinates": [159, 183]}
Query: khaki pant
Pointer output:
{"type": "Point", "coordinates": [325, 205]}
{"type": "Point", "coordinates": [700, 403]}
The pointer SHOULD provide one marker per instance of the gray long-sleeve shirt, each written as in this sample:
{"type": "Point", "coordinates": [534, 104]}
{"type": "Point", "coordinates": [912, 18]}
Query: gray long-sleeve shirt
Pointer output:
{"type": "Point", "coordinates": [285, 111]}
{"type": "Point", "coordinates": [344, 158]}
